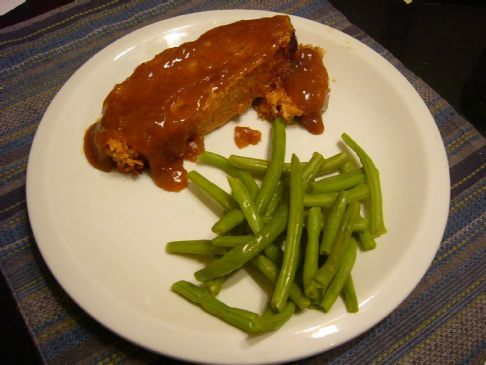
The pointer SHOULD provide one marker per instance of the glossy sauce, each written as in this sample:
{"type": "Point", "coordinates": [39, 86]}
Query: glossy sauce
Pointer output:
{"type": "Point", "coordinates": [94, 155]}
{"type": "Point", "coordinates": [164, 108]}
{"type": "Point", "coordinates": [308, 86]}
{"type": "Point", "coordinates": [245, 136]}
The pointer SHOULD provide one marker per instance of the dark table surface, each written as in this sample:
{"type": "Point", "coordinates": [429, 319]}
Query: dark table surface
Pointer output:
{"type": "Point", "coordinates": [442, 42]}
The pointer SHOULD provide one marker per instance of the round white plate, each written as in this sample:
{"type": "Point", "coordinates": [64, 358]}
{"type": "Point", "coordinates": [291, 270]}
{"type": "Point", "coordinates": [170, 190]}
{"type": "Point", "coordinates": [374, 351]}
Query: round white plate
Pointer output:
{"type": "Point", "coordinates": [103, 234]}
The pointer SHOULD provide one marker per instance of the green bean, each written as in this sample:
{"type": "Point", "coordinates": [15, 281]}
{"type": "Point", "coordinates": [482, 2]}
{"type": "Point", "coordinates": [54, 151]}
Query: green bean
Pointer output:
{"type": "Point", "coordinates": [270, 270]}
{"type": "Point", "coordinates": [343, 181]}
{"type": "Point", "coordinates": [358, 193]}
{"type": "Point", "coordinates": [239, 255]}
{"type": "Point", "coordinates": [258, 166]}
{"type": "Point", "coordinates": [215, 160]}
{"type": "Point", "coordinates": [274, 253]}
{"type": "Point", "coordinates": [218, 161]}
{"type": "Point", "coordinates": [274, 171]}
{"type": "Point", "coordinates": [333, 223]}
{"type": "Point", "coordinates": [312, 167]}
{"type": "Point", "coordinates": [271, 321]}
{"type": "Point", "coordinates": [269, 184]}
{"type": "Point", "coordinates": [366, 241]}
{"type": "Point", "coordinates": [231, 241]}
{"type": "Point", "coordinates": [311, 258]}
{"type": "Point", "coordinates": [214, 285]}
{"type": "Point", "coordinates": [255, 166]}
{"type": "Point", "coordinates": [248, 208]}
{"type": "Point", "coordinates": [240, 318]}
{"type": "Point", "coordinates": [294, 234]}
{"type": "Point", "coordinates": [333, 163]}
{"type": "Point", "coordinates": [224, 199]}
{"type": "Point", "coordinates": [348, 293]}
{"type": "Point", "coordinates": [342, 273]}
{"type": "Point", "coordinates": [347, 167]}
{"type": "Point", "coordinates": [228, 221]}
{"type": "Point", "coordinates": [196, 247]}
{"type": "Point", "coordinates": [325, 200]}
{"type": "Point", "coordinates": [327, 271]}
{"type": "Point", "coordinates": [377, 224]}
{"type": "Point", "coordinates": [278, 195]}
{"type": "Point", "coordinates": [360, 224]}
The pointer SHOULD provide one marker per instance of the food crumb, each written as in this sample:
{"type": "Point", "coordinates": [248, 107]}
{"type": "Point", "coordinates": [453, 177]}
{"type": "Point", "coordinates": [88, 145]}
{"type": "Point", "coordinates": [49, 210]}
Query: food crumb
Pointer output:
{"type": "Point", "coordinates": [244, 136]}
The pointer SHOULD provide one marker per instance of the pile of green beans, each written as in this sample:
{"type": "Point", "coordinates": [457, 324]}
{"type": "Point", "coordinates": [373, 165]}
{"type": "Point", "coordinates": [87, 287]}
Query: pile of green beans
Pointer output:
{"type": "Point", "coordinates": [301, 227]}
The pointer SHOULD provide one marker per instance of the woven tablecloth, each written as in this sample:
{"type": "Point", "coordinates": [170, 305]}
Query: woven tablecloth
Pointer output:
{"type": "Point", "coordinates": [441, 322]}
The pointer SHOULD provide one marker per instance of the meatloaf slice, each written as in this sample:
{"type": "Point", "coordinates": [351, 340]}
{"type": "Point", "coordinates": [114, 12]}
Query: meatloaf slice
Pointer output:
{"type": "Point", "coordinates": [157, 117]}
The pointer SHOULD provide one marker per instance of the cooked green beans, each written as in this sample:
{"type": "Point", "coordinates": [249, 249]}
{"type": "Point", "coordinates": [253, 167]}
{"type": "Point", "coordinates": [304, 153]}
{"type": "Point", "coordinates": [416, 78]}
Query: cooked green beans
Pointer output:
{"type": "Point", "coordinates": [377, 223]}
{"type": "Point", "coordinates": [269, 184]}
{"type": "Point", "coordinates": [333, 163]}
{"type": "Point", "coordinates": [360, 224]}
{"type": "Point", "coordinates": [274, 171]}
{"type": "Point", "coordinates": [312, 168]}
{"type": "Point", "coordinates": [277, 197]}
{"type": "Point", "coordinates": [274, 253]}
{"type": "Point", "coordinates": [255, 166]}
{"type": "Point", "coordinates": [230, 241]}
{"type": "Point", "coordinates": [228, 221]}
{"type": "Point", "coordinates": [247, 206]}
{"type": "Point", "coordinates": [244, 320]}
{"type": "Point", "coordinates": [294, 234]}
{"type": "Point", "coordinates": [365, 240]}
{"type": "Point", "coordinates": [240, 255]}
{"type": "Point", "coordinates": [348, 293]}
{"type": "Point", "coordinates": [342, 274]}
{"type": "Point", "coordinates": [333, 222]}
{"type": "Point", "coordinates": [214, 285]}
{"type": "Point", "coordinates": [224, 199]}
{"type": "Point", "coordinates": [326, 200]}
{"type": "Point", "coordinates": [308, 208]}
{"type": "Point", "coordinates": [247, 321]}
{"type": "Point", "coordinates": [327, 271]}
{"type": "Point", "coordinates": [270, 321]}
{"type": "Point", "coordinates": [343, 181]}
{"type": "Point", "coordinates": [195, 247]}
{"type": "Point", "coordinates": [314, 225]}
{"type": "Point", "coordinates": [218, 161]}
{"type": "Point", "coordinates": [270, 270]}
{"type": "Point", "coordinates": [258, 166]}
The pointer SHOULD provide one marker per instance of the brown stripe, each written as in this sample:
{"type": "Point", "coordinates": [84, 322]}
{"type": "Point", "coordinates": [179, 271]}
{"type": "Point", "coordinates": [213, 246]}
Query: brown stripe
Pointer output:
{"type": "Point", "coordinates": [432, 279]}
{"type": "Point", "coordinates": [12, 185]}
{"type": "Point", "coordinates": [454, 340]}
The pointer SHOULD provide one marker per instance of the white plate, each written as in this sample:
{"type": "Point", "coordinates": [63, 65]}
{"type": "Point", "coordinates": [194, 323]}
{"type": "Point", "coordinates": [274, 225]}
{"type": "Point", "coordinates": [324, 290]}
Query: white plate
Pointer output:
{"type": "Point", "coordinates": [103, 235]}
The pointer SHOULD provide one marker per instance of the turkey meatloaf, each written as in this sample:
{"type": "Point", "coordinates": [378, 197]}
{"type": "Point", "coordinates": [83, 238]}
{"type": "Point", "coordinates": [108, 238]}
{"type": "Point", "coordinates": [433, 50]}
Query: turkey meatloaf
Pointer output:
{"type": "Point", "coordinates": [158, 116]}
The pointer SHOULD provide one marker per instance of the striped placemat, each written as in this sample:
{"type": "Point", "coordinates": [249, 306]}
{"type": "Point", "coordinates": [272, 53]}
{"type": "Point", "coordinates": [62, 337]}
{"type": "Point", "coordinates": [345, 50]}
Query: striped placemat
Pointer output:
{"type": "Point", "coordinates": [441, 322]}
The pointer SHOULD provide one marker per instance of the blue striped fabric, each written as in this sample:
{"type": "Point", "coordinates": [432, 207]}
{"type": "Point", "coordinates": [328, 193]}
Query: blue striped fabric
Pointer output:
{"type": "Point", "coordinates": [441, 322]}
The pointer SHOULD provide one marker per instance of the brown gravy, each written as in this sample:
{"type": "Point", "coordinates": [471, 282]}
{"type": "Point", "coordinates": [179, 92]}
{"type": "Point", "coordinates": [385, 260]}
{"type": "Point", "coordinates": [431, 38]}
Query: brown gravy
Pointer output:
{"type": "Point", "coordinates": [245, 136]}
{"type": "Point", "coordinates": [307, 85]}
